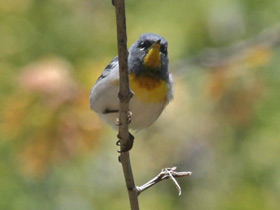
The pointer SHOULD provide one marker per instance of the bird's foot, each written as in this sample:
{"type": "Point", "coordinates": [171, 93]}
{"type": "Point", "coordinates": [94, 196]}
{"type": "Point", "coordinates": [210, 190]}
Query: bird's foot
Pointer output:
{"type": "Point", "coordinates": [117, 121]}
{"type": "Point", "coordinates": [129, 119]}
{"type": "Point", "coordinates": [129, 143]}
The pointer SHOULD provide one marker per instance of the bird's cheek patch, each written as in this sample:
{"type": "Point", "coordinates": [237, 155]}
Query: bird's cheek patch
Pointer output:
{"type": "Point", "coordinates": [152, 59]}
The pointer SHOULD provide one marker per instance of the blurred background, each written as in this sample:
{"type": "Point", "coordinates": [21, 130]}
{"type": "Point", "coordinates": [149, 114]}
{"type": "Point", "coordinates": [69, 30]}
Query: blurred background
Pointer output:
{"type": "Point", "coordinates": [223, 124]}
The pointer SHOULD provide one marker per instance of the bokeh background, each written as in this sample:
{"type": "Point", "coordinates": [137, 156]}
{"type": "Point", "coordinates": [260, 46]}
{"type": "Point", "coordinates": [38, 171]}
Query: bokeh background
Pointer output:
{"type": "Point", "coordinates": [223, 124]}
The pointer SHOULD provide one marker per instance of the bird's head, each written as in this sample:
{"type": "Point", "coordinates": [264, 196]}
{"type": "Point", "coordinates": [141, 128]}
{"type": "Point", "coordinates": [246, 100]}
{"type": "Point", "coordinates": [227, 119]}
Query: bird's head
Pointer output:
{"type": "Point", "coordinates": [148, 56]}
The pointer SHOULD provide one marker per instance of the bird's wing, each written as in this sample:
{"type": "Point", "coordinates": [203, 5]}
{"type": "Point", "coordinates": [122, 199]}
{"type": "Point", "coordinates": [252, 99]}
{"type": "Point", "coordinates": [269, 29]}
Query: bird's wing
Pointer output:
{"type": "Point", "coordinates": [171, 88]}
{"type": "Point", "coordinates": [104, 94]}
{"type": "Point", "coordinates": [111, 66]}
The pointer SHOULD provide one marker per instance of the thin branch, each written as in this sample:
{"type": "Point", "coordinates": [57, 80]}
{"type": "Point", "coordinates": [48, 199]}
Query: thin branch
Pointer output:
{"type": "Point", "coordinates": [124, 97]}
{"type": "Point", "coordinates": [166, 173]}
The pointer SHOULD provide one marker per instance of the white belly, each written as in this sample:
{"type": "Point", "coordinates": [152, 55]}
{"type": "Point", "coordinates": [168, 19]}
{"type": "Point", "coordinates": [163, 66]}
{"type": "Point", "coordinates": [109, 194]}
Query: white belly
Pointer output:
{"type": "Point", "coordinates": [143, 114]}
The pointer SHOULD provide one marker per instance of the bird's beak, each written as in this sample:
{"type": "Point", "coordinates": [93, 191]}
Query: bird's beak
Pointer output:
{"type": "Point", "coordinates": [156, 45]}
{"type": "Point", "coordinates": [152, 59]}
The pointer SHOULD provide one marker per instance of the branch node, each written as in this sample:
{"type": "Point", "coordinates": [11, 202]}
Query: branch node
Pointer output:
{"type": "Point", "coordinates": [165, 173]}
{"type": "Point", "coordinates": [125, 97]}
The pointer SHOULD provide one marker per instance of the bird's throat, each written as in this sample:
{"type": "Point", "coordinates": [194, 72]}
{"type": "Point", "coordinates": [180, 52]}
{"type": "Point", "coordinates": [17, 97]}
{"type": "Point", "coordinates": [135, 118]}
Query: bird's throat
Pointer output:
{"type": "Point", "coordinates": [152, 59]}
{"type": "Point", "coordinates": [147, 89]}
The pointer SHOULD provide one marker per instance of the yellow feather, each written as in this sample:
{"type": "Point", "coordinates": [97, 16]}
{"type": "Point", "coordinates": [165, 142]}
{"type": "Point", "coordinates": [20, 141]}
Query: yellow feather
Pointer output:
{"type": "Point", "coordinates": [152, 59]}
{"type": "Point", "coordinates": [148, 90]}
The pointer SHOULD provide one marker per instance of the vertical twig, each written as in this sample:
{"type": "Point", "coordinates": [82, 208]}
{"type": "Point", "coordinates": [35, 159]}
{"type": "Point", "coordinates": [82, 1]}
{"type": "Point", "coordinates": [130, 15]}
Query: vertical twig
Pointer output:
{"type": "Point", "coordinates": [124, 96]}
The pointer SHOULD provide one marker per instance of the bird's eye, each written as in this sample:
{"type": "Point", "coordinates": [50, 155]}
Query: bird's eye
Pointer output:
{"type": "Point", "coordinates": [163, 49]}
{"type": "Point", "coordinates": [144, 45]}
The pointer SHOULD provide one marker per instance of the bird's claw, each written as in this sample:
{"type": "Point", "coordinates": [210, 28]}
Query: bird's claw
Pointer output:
{"type": "Point", "coordinates": [129, 119]}
{"type": "Point", "coordinates": [128, 146]}
{"type": "Point", "coordinates": [117, 121]}
{"type": "Point", "coordinates": [118, 143]}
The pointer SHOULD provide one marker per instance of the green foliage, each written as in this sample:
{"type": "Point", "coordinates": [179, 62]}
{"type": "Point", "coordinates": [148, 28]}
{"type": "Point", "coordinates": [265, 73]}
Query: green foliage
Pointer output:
{"type": "Point", "coordinates": [223, 124]}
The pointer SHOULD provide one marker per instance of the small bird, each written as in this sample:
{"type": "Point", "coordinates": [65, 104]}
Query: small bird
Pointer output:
{"type": "Point", "coordinates": [149, 79]}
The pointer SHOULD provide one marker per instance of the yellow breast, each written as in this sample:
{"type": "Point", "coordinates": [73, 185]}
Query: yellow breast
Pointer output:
{"type": "Point", "coordinates": [148, 90]}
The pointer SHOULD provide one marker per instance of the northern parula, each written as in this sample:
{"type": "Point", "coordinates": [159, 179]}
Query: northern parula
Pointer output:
{"type": "Point", "coordinates": [149, 79]}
